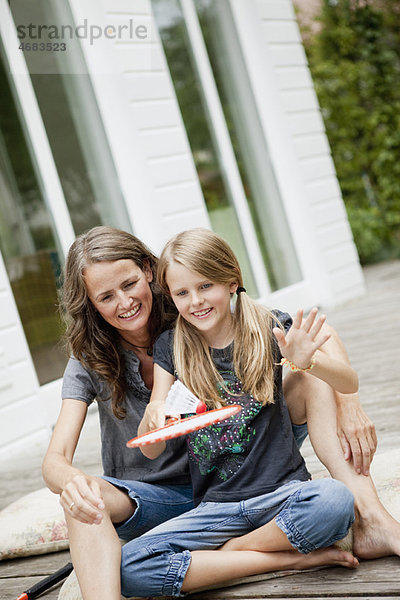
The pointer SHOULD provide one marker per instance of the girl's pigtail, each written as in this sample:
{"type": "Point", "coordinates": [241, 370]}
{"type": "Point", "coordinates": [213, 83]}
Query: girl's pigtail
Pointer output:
{"type": "Point", "coordinates": [253, 353]}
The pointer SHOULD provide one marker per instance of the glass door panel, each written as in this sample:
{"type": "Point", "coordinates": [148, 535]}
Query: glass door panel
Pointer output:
{"type": "Point", "coordinates": [71, 118]}
{"type": "Point", "coordinates": [28, 242]}
{"type": "Point", "coordinates": [213, 180]}
{"type": "Point", "coordinates": [248, 142]}
{"type": "Point", "coordinates": [178, 21]}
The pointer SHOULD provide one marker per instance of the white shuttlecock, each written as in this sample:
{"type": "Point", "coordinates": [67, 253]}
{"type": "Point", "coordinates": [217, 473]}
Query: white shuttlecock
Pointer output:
{"type": "Point", "coordinates": [181, 401]}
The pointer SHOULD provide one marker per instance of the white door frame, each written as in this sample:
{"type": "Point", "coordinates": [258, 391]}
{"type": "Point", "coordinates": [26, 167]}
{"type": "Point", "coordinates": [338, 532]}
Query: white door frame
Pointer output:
{"type": "Point", "coordinates": [226, 153]}
{"type": "Point", "coordinates": [286, 165]}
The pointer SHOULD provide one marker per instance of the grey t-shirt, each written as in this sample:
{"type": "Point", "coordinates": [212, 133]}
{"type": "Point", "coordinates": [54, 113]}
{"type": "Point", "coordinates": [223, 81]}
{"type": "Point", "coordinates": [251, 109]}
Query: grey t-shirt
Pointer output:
{"type": "Point", "coordinates": [249, 454]}
{"type": "Point", "coordinates": [119, 461]}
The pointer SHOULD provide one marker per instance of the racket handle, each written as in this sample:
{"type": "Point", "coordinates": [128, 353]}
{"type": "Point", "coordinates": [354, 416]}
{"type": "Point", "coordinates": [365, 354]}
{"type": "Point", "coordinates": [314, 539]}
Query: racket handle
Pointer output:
{"type": "Point", "coordinates": [172, 420]}
{"type": "Point", "coordinates": [46, 583]}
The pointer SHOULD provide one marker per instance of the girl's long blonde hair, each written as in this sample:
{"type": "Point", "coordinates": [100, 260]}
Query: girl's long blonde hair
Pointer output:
{"type": "Point", "coordinates": [89, 337]}
{"type": "Point", "coordinates": [208, 254]}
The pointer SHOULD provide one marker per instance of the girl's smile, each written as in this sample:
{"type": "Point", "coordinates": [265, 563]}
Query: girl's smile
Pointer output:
{"type": "Point", "coordinates": [203, 303]}
{"type": "Point", "coordinates": [202, 313]}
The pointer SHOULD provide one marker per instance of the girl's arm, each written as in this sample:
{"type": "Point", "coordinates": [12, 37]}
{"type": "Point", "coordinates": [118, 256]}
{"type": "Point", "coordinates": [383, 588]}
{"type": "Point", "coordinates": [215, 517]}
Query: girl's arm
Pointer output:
{"type": "Point", "coordinates": [60, 476]}
{"type": "Point", "coordinates": [154, 415]}
{"type": "Point", "coordinates": [302, 343]}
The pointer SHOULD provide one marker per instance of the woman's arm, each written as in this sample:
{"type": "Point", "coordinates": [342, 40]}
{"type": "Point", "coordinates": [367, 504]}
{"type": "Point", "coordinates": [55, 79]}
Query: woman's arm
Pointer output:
{"type": "Point", "coordinates": [154, 415]}
{"type": "Point", "coordinates": [355, 429]}
{"type": "Point", "coordinates": [302, 343]}
{"type": "Point", "coordinates": [338, 375]}
{"type": "Point", "coordinates": [60, 476]}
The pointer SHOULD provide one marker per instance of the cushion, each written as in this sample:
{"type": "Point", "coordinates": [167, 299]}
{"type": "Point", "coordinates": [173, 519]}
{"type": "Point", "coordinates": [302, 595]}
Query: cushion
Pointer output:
{"type": "Point", "coordinates": [34, 524]}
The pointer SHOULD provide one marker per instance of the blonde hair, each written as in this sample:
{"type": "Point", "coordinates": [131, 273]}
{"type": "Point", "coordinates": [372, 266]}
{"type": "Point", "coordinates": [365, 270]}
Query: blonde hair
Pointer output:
{"type": "Point", "coordinates": [89, 337]}
{"type": "Point", "coordinates": [208, 254]}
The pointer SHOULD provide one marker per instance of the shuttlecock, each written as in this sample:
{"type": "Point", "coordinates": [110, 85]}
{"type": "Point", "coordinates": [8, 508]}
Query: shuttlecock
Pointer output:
{"type": "Point", "coordinates": [181, 401]}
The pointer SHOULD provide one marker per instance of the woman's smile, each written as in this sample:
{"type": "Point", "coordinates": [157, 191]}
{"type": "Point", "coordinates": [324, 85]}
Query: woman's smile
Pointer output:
{"type": "Point", "coordinates": [120, 292]}
{"type": "Point", "coordinates": [131, 313]}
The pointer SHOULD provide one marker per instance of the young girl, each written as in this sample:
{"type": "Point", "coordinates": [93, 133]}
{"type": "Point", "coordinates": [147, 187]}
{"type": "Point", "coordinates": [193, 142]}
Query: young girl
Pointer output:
{"type": "Point", "coordinates": [247, 472]}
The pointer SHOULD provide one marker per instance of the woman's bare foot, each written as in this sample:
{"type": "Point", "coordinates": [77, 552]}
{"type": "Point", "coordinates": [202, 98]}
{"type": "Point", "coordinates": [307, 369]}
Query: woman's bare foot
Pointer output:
{"type": "Point", "coordinates": [376, 534]}
{"type": "Point", "coordinates": [326, 557]}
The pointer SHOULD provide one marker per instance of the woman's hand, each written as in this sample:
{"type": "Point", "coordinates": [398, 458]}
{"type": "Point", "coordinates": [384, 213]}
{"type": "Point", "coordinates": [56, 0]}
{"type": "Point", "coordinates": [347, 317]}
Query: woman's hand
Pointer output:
{"type": "Point", "coordinates": [81, 498]}
{"type": "Point", "coordinates": [355, 429]}
{"type": "Point", "coordinates": [80, 494]}
{"type": "Point", "coordinates": [301, 342]}
{"type": "Point", "coordinates": [356, 433]}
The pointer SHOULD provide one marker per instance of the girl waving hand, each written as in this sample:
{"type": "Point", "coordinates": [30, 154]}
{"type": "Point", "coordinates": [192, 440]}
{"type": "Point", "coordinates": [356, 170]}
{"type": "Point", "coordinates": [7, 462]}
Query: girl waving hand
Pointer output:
{"type": "Point", "coordinates": [247, 472]}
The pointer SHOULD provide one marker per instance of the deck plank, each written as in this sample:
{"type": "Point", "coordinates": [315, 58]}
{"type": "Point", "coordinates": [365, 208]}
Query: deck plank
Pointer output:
{"type": "Point", "coordinates": [375, 578]}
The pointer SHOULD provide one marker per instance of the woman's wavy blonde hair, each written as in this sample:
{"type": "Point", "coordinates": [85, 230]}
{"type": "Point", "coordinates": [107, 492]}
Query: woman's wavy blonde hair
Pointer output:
{"type": "Point", "coordinates": [88, 336]}
{"type": "Point", "coordinates": [208, 254]}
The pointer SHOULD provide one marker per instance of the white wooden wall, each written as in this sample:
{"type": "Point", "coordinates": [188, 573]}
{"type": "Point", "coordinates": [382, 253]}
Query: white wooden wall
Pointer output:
{"type": "Point", "coordinates": [153, 157]}
{"type": "Point", "coordinates": [147, 136]}
{"type": "Point", "coordinates": [147, 139]}
{"type": "Point", "coordinates": [322, 199]}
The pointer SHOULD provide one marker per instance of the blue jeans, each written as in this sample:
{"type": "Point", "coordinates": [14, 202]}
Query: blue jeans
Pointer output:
{"type": "Point", "coordinates": [155, 504]}
{"type": "Point", "coordinates": [313, 514]}
{"type": "Point", "coordinates": [159, 503]}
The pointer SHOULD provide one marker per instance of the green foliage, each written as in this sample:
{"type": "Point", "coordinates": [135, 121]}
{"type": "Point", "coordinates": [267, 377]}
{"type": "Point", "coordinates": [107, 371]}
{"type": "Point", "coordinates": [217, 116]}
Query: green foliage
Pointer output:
{"type": "Point", "coordinates": [355, 62]}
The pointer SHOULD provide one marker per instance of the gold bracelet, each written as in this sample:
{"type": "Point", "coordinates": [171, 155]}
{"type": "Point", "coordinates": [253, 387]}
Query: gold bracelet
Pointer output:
{"type": "Point", "coordinates": [285, 362]}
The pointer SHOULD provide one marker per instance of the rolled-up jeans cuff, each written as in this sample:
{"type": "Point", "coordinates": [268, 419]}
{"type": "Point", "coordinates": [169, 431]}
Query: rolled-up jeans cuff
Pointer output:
{"type": "Point", "coordinates": [179, 564]}
{"type": "Point", "coordinates": [295, 537]}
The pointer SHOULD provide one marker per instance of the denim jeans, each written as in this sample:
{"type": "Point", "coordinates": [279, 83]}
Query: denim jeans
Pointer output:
{"type": "Point", "coordinates": [155, 504]}
{"type": "Point", "coordinates": [159, 503]}
{"type": "Point", "coordinates": [313, 514]}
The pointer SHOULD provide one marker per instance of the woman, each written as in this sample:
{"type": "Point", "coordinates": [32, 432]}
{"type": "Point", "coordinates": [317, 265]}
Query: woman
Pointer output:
{"type": "Point", "coordinates": [116, 312]}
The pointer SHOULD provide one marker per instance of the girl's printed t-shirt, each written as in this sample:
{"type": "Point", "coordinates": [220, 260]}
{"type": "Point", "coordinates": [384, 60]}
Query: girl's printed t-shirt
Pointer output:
{"type": "Point", "coordinates": [251, 453]}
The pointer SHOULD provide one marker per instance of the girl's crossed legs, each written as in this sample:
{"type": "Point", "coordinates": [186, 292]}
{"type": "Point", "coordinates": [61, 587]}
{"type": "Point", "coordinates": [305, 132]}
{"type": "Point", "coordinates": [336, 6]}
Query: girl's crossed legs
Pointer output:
{"type": "Point", "coordinates": [297, 519]}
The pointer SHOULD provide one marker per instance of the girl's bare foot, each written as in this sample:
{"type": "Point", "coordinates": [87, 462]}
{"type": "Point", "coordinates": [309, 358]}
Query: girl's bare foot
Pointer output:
{"type": "Point", "coordinates": [330, 556]}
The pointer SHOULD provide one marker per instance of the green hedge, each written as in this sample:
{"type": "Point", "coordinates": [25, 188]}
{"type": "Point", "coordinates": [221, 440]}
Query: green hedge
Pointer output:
{"type": "Point", "coordinates": [355, 62]}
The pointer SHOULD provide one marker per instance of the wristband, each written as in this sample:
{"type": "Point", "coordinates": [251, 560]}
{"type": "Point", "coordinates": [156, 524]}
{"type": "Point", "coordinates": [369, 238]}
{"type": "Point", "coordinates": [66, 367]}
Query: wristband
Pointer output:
{"type": "Point", "coordinates": [285, 362]}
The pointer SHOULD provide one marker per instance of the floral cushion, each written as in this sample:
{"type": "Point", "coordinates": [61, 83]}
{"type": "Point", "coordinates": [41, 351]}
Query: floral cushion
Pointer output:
{"type": "Point", "coordinates": [385, 471]}
{"type": "Point", "coordinates": [34, 524]}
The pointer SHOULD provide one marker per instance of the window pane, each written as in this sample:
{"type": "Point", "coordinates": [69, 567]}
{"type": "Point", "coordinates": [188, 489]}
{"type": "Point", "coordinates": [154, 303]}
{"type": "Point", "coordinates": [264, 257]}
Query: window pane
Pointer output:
{"type": "Point", "coordinates": [71, 117]}
{"type": "Point", "coordinates": [215, 188]}
{"type": "Point", "coordinates": [28, 243]}
{"type": "Point", "coordinates": [248, 142]}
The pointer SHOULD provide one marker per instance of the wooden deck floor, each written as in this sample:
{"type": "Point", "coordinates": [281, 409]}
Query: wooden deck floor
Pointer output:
{"type": "Point", "coordinates": [370, 328]}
